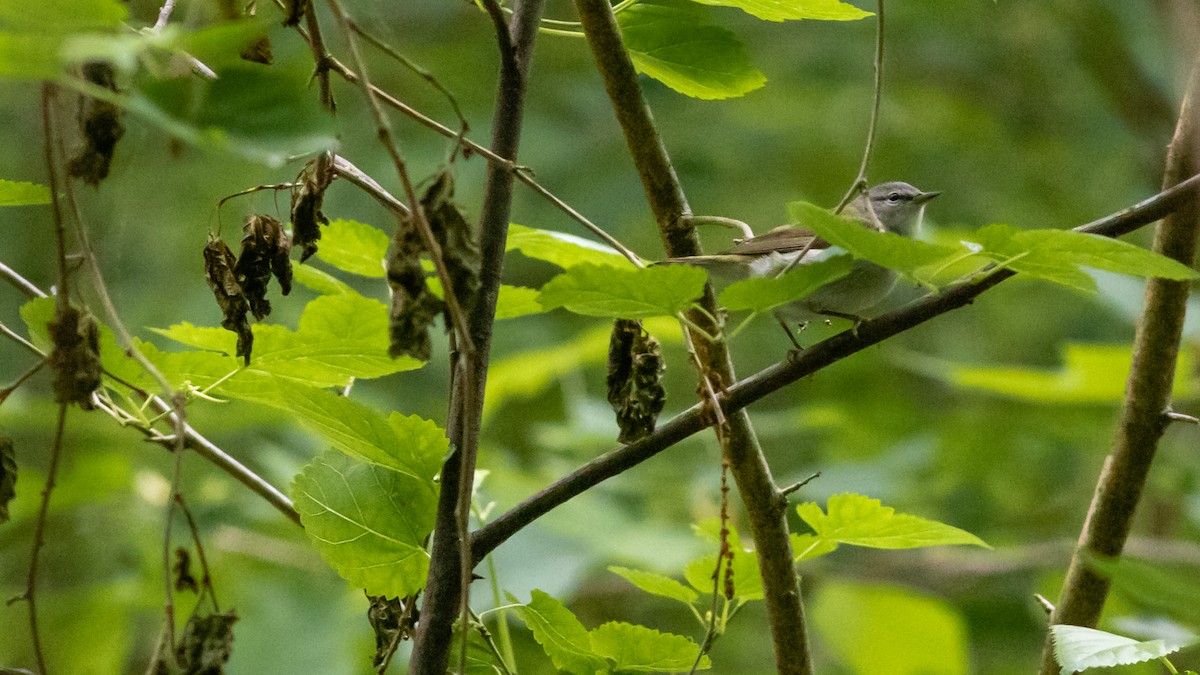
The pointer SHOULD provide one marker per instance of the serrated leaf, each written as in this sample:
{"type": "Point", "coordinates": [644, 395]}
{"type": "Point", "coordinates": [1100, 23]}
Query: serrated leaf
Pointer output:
{"type": "Point", "coordinates": [869, 625]}
{"type": "Point", "coordinates": [790, 10]}
{"type": "Point", "coordinates": [369, 522]}
{"type": "Point", "coordinates": [887, 249]}
{"type": "Point", "coordinates": [762, 294]}
{"type": "Point", "coordinates": [1078, 648]}
{"type": "Point", "coordinates": [407, 444]}
{"type": "Point", "coordinates": [863, 521]}
{"type": "Point", "coordinates": [632, 293]}
{"type": "Point", "coordinates": [1043, 253]}
{"type": "Point", "coordinates": [747, 579]}
{"type": "Point", "coordinates": [517, 301]}
{"type": "Point", "coordinates": [1090, 374]}
{"type": "Point", "coordinates": [670, 42]}
{"type": "Point", "coordinates": [354, 247]}
{"type": "Point", "coordinates": [319, 280]}
{"type": "Point", "coordinates": [560, 248]}
{"type": "Point", "coordinates": [638, 649]}
{"type": "Point", "coordinates": [560, 634]}
{"type": "Point", "coordinates": [20, 193]}
{"type": "Point", "coordinates": [656, 584]}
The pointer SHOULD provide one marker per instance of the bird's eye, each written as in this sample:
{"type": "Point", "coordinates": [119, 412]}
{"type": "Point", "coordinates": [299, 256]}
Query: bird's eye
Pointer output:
{"type": "Point", "coordinates": [893, 197]}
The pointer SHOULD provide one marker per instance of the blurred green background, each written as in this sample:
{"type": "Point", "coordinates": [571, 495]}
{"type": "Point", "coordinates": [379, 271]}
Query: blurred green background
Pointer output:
{"type": "Point", "coordinates": [1046, 115]}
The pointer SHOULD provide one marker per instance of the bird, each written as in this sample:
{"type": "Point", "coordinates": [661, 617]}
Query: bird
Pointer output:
{"type": "Point", "coordinates": [894, 206]}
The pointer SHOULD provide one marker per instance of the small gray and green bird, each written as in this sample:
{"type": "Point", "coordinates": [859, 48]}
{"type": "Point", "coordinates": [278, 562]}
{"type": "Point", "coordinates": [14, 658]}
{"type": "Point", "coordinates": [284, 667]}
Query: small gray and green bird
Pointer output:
{"type": "Point", "coordinates": [892, 207]}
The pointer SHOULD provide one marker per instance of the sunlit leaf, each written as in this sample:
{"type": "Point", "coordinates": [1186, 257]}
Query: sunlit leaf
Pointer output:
{"type": "Point", "coordinates": [319, 280]}
{"type": "Point", "coordinates": [670, 42]}
{"type": "Point", "coordinates": [656, 584]}
{"type": "Point", "coordinates": [354, 247]}
{"type": "Point", "coordinates": [746, 577]}
{"type": "Point", "coordinates": [1078, 648]}
{"type": "Point", "coordinates": [638, 649]}
{"type": "Point", "coordinates": [560, 248]}
{"type": "Point", "coordinates": [369, 522]}
{"type": "Point", "coordinates": [17, 193]}
{"type": "Point", "coordinates": [516, 301]}
{"type": "Point", "coordinates": [762, 294]}
{"type": "Point", "coordinates": [788, 10]}
{"type": "Point", "coordinates": [862, 521]}
{"type": "Point", "coordinates": [560, 633]}
{"type": "Point", "coordinates": [631, 293]}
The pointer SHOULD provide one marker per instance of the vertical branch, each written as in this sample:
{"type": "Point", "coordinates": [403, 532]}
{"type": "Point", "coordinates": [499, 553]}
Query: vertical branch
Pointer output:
{"type": "Point", "coordinates": [444, 590]}
{"type": "Point", "coordinates": [765, 505]}
{"type": "Point", "coordinates": [1145, 414]}
{"type": "Point", "coordinates": [860, 181]}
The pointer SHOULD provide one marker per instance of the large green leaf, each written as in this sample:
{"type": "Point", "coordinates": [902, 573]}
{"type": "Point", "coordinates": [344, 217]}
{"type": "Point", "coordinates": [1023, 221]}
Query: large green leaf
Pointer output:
{"type": "Point", "coordinates": [656, 584]}
{"type": "Point", "coordinates": [560, 634]}
{"type": "Point", "coordinates": [61, 16]}
{"type": "Point", "coordinates": [630, 293]}
{"type": "Point", "coordinates": [903, 254]}
{"type": "Point", "coordinates": [670, 42]}
{"type": "Point", "coordinates": [876, 628]}
{"type": "Point", "coordinates": [638, 649]}
{"type": "Point", "coordinates": [762, 294]}
{"type": "Point", "coordinates": [560, 248]}
{"type": "Point", "coordinates": [17, 193]}
{"type": "Point", "coordinates": [369, 522]}
{"type": "Point", "coordinates": [319, 280]}
{"type": "Point", "coordinates": [1051, 254]}
{"type": "Point", "coordinates": [354, 247]}
{"type": "Point", "coordinates": [1077, 648]}
{"type": "Point", "coordinates": [1090, 374]}
{"type": "Point", "coordinates": [863, 521]}
{"type": "Point", "coordinates": [788, 10]}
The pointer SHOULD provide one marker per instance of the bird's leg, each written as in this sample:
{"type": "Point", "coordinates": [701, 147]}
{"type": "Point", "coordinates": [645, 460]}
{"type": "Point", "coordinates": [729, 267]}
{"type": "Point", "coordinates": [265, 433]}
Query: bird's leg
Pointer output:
{"type": "Point", "coordinates": [791, 336]}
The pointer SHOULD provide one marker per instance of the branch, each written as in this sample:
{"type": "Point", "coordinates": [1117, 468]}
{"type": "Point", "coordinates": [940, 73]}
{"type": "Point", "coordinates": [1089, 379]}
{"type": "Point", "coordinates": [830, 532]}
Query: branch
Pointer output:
{"type": "Point", "coordinates": [780, 375]}
{"type": "Point", "coordinates": [765, 506]}
{"type": "Point", "coordinates": [450, 562]}
{"type": "Point", "coordinates": [860, 181]}
{"type": "Point", "coordinates": [1145, 415]}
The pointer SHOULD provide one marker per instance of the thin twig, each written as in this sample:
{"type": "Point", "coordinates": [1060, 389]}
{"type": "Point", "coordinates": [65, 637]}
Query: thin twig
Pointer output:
{"type": "Point", "coordinates": [343, 168]}
{"type": "Point", "coordinates": [20, 283]}
{"type": "Point", "coordinates": [164, 15]}
{"type": "Point", "coordinates": [16, 337]}
{"type": "Point", "coordinates": [860, 181]}
{"type": "Point", "coordinates": [207, 578]}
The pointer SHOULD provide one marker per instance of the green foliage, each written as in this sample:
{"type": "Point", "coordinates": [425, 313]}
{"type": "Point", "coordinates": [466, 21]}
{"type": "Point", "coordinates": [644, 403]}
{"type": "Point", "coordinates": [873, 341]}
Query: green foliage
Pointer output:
{"type": "Point", "coordinates": [559, 248]}
{"type": "Point", "coordinates": [670, 42]}
{"type": "Point", "coordinates": [788, 10]}
{"type": "Point", "coordinates": [762, 294]}
{"type": "Point", "coordinates": [746, 577]}
{"type": "Point", "coordinates": [319, 280]}
{"type": "Point", "coordinates": [354, 247]}
{"type": "Point", "coordinates": [1077, 648]}
{"type": "Point", "coordinates": [614, 647]}
{"type": "Point", "coordinates": [368, 521]}
{"type": "Point", "coordinates": [1090, 374]}
{"type": "Point", "coordinates": [631, 293]}
{"type": "Point", "coordinates": [656, 584]}
{"type": "Point", "coordinates": [1057, 255]}
{"type": "Point", "coordinates": [862, 521]}
{"type": "Point", "coordinates": [18, 193]}
{"type": "Point", "coordinates": [874, 628]}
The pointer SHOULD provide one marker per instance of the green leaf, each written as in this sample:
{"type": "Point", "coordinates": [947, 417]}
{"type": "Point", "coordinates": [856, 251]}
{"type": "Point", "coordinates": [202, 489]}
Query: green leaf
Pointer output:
{"type": "Point", "coordinates": [560, 634]}
{"type": "Point", "coordinates": [762, 294]}
{"type": "Point", "coordinates": [790, 10]}
{"type": "Point", "coordinates": [559, 248]}
{"type": "Point", "coordinates": [638, 649]}
{"type": "Point", "coordinates": [862, 521]}
{"type": "Point", "coordinates": [319, 280]}
{"type": "Point", "coordinates": [656, 584]}
{"type": "Point", "coordinates": [1090, 374]}
{"type": "Point", "coordinates": [354, 247]}
{"type": "Point", "coordinates": [747, 579]}
{"type": "Point", "coordinates": [517, 301]}
{"type": "Point", "coordinates": [632, 293]}
{"type": "Point", "coordinates": [368, 521]}
{"type": "Point", "coordinates": [1077, 648]}
{"type": "Point", "coordinates": [809, 546]}
{"type": "Point", "coordinates": [18, 193]}
{"type": "Point", "coordinates": [887, 249]}
{"type": "Point", "coordinates": [670, 42]}
{"type": "Point", "coordinates": [876, 628]}
{"type": "Point", "coordinates": [61, 16]}
{"type": "Point", "coordinates": [1042, 253]}
{"type": "Point", "coordinates": [25, 56]}
{"type": "Point", "coordinates": [407, 444]}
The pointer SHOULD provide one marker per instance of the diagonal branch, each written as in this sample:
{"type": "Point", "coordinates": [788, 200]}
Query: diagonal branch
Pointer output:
{"type": "Point", "coordinates": [1146, 413]}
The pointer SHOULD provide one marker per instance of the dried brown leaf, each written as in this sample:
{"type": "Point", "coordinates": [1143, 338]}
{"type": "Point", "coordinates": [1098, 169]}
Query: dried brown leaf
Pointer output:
{"type": "Point", "coordinates": [456, 237]}
{"type": "Point", "coordinates": [258, 51]}
{"type": "Point", "coordinates": [265, 250]}
{"type": "Point", "coordinates": [206, 644]}
{"type": "Point", "coordinates": [293, 11]}
{"type": "Point", "coordinates": [391, 622]}
{"type": "Point", "coordinates": [219, 265]}
{"type": "Point", "coordinates": [8, 475]}
{"type": "Point", "coordinates": [100, 122]}
{"type": "Point", "coordinates": [75, 358]}
{"type": "Point", "coordinates": [635, 390]}
{"type": "Point", "coordinates": [414, 306]}
{"type": "Point", "coordinates": [184, 581]}
{"type": "Point", "coordinates": [307, 217]}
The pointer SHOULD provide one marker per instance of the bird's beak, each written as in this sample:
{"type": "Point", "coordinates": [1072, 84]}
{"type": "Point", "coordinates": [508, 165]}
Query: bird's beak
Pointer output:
{"type": "Point", "coordinates": [924, 197]}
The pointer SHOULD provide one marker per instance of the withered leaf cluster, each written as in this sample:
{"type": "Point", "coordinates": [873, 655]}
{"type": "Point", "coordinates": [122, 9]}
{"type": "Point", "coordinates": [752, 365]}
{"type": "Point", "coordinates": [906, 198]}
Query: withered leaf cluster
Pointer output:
{"type": "Point", "coordinates": [635, 390]}
{"type": "Point", "coordinates": [393, 621]}
{"type": "Point", "coordinates": [240, 283]}
{"type": "Point", "coordinates": [100, 122]}
{"type": "Point", "coordinates": [182, 569]}
{"type": "Point", "coordinates": [293, 11]}
{"type": "Point", "coordinates": [8, 475]}
{"type": "Point", "coordinates": [414, 306]}
{"type": "Point", "coordinates": [258, 50]}
{"type": "Point", "coordinates": [219, 264]}
{"type": "Point", "coordinates": [206, 644]}
{"type": "Point", "coordinates": [75, 357]}
{"type": "Point", "coordinates": [307, 199]}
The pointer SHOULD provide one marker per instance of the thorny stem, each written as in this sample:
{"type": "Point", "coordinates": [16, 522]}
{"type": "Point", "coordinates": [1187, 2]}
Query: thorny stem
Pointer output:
{"type": "Point", "coordinates": [860, 181]}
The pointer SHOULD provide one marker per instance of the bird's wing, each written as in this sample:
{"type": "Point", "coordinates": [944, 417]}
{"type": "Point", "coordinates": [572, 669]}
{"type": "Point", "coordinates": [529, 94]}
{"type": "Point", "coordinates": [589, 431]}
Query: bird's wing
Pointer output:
{"type": "Point", "coordinates": [783, 239]}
